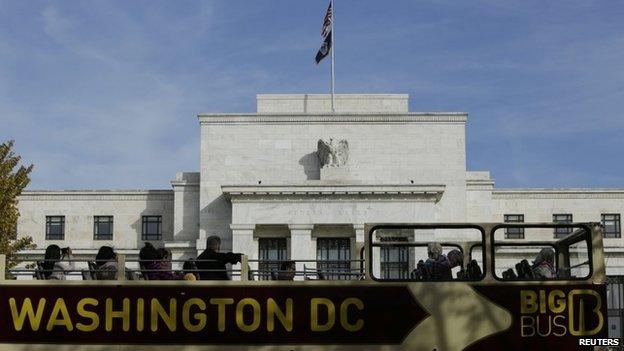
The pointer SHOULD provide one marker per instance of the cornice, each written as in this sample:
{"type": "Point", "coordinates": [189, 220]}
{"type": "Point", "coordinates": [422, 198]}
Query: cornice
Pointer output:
{"type": "Point", "coordinates": [569, 193]}
{"type": "Point", "coordinates": [479, 184]}
{"type": "Point", "coordinates": [96, 195]}
{"type": "Point", "coordinates": [300, 226]}
{"type": "Point", "coordinates": [325, 97]}
{"type": "Point", "coordinates": [242, 226]}
{"type": "Point", "coordinates": [180, 183]}
{"type": "Point", "coordinates": [335, 192]}
{"type": "Point", "coordinates": [340, 118]}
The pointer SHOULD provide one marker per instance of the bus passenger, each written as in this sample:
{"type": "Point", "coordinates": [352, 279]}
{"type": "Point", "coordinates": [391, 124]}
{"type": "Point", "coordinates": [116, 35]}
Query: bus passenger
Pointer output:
{"type": "Point", "coordinates": [437, 263]}
{"type": "Point", "coordinates": [165, 256]}
{"type": "Point", "coordinates": [211, 262]}
{"type": "Point", "coordinates": [287, 271]}
{"type": "Point", "coordinates": [436, 267]}
{"type": "Point", "coordinates": [106, 264]}
{"type": "Point", "coordinates": [153, 265]}
{"type": "Point", "coordinates": [456, 259]}
{"type": "Point", "coordinates": [189, 269]}
{"type": "Point", "coordinates": [543, 266]}
{"type": "Point", "coordinates": [53, 266]}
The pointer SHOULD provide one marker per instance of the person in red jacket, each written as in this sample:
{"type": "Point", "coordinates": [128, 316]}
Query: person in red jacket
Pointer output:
{"type": "Point", "coordinates": [155, 266]}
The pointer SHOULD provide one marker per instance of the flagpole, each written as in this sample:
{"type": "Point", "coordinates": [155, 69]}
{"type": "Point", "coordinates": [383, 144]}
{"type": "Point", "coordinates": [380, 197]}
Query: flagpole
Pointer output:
{"type": "Point", "coordinates": [333, 46]}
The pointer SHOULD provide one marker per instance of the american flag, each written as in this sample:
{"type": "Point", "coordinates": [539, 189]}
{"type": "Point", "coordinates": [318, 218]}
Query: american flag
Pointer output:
{"type": "Point", "coordinates": [327, 22]}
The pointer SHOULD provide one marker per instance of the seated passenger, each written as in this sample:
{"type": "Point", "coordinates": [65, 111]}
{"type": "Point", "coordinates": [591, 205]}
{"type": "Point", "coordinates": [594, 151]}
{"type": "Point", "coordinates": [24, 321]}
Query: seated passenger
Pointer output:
{"type": "Point", "coordinates": [106, 264]}
{"type": "Point", "coordinates": [436, 267]}
{"type": "Point", "coordinates": [53, 266]}
{"type": "Point", "coordinates": [287, 271]}
{"type": "Point", "coordinates": [543, 266]}
{"type": "Point", "coordinates": [155, 268]}
{"type": "Point", "coordinates": [419, 272]}
{"type": "Point", "coordinates": [165, 256]}
{"type": "Point", "coordinates": [211, 263]}
{"type": "Point", "coordinates": [473, 270]}
{"type": "Point", "coordinates": [525, 270]}
{"type": "Point", "coordinates": [437, 263]}
{"type": "Point", "coordinates": [189, 269]}
{"type": "Point", "coordinates": [456, 259]}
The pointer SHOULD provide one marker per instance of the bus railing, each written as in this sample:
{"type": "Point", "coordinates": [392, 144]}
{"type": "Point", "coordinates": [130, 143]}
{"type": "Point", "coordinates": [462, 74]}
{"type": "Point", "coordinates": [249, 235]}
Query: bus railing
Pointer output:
{"type": "Point", "coordinates": [247, 270]}
{"type": "Point", "coordinates": [308, 269]}
{"type": "Point", "coordinates": [134, 269]}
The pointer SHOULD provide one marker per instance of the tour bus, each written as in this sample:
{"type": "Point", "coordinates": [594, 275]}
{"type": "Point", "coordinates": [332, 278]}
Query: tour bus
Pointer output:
{"type": "Point", "coordinates": [390, 298]}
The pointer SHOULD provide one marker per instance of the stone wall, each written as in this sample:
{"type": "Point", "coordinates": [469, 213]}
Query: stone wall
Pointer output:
{"type": "Point", "coordinates": [79, 207]}
{"type": "Point", "coordinates": [280, 148]}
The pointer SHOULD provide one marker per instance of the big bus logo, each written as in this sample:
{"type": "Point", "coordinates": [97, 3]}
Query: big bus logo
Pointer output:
{"type": "Point", "coordinates": [557, 313]}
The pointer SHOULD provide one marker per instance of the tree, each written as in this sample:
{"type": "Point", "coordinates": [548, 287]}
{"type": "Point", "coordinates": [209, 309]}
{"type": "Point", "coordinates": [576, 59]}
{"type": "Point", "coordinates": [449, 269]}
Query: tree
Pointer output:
{"type": "Point", "coordinates": [12, 182]}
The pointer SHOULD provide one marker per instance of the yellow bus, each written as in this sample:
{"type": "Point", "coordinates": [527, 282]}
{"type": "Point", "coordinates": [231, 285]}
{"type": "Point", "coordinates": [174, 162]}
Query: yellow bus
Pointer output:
{"type": "Point", "coordinates": [466, 286]}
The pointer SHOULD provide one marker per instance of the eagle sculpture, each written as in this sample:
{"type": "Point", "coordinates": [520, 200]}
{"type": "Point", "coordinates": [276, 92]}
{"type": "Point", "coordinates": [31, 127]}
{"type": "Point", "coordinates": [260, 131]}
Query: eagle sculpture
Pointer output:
{"type": "Point", "coordinates": [331, 154]}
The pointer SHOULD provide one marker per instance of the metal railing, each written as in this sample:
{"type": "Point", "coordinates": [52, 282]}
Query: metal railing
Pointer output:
{"type": "Point", "coordinates": [136, 269]}
{"type": "Point", "coordinates": [308, 270]}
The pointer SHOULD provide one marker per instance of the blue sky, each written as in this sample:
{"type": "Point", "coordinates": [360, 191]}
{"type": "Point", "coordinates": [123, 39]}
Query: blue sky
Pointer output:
{"type": "Point", "coordinates": [104, 94]}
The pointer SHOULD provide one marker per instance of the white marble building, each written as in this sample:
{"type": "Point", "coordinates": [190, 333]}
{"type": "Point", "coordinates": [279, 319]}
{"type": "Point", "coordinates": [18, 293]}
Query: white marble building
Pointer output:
{"type": "Point", "coordinates": [261, 178]}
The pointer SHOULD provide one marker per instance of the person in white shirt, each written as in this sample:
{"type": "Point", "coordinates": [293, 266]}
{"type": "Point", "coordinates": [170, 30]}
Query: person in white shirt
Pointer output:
{"type": "Point", "coordinates": [53, 265]}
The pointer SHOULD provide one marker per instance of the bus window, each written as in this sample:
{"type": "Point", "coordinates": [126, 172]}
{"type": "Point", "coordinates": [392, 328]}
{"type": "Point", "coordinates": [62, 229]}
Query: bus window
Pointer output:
{"type": "Point", "coordinates": [579, 259]}
{"type": "Point", "coordinates": [541, 257]}
{"type": "Point", "coordinates": [476, 253]}
{"type": "Point", "coordinates": [425, 254]}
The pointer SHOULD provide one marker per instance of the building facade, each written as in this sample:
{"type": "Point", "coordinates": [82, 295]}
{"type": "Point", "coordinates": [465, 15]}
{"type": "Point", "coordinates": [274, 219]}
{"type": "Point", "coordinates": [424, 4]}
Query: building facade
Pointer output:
{"type": "Point", "coordinates": [293, 181]}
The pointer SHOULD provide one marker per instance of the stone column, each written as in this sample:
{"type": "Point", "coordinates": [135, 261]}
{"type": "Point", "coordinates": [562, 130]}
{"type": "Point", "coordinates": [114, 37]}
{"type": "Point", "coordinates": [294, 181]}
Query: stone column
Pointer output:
{"type": "Point", "coordinates": [243, 242]}
{"type": "Point", "coordinates": [186, 206]}
{"type": "Point", "coordinates": [302, 246]}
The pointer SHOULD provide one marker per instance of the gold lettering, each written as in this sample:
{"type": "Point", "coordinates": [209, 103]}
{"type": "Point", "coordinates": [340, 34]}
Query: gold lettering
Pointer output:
{"type": "Point", "coordinates": [314, 314]}
{"type": "Point", "coordinates": [26, 312]}
{"type": "Point", "coordinates": [527, 329]}
{"type": "Point", "coordinates": [561, 325]}
{"type": "Point", "coordinates": [344, 314]}
{"type": "Point", "coordinates": [200, 317]}
{"type": "Point", "coordinates": [158, 310]}
{"type": "Point", "coordinates": [542, 304]}
{"type": "Point", "coordinates": [59, 308]}
{"type": "Point", "coordinates": [581, 331]}
{"type": "Point", "coordinates": [82, 312]}
{"type": "Point", "coordinates": [547, 318]}
{"type": "Point", "coordinates": [559, 304]}
{"type": "Point", "coordinates": [528, 301]}
{"type": "Point", "coordinates": [124, 314]}
{"type": "Point", "coordinates": [240, 318]}
{"type": "Point", "coordinates": [221, 303]}
{"type": "Point", "coordinates": [140, 314]}
{"type": "Point", "coordinates": [273, 311]}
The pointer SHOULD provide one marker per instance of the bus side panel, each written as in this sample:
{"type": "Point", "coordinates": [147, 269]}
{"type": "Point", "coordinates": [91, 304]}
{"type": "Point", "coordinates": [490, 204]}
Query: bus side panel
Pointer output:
{"type": "Point", "coordinates": [547, 317]}
{"type": "Point", "coordinates": [235, 314]}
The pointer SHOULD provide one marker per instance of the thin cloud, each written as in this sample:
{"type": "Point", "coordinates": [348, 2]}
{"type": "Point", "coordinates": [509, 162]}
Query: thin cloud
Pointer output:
{"type": "Point", "coordinates": [105, 94]}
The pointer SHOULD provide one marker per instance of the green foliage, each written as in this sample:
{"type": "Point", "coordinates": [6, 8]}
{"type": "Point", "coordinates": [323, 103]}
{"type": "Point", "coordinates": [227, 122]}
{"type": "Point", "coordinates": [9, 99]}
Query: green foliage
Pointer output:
{"type": "Point", "coordinates": [12, 182]}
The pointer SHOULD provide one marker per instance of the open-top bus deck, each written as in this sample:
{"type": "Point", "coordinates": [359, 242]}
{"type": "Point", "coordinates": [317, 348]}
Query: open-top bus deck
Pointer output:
{"type": "Point", "coordinates": [498, 304]}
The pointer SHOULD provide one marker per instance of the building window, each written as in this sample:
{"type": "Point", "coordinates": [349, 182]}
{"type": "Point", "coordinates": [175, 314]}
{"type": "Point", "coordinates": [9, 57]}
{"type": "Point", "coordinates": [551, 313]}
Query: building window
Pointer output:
{"type": "Point", "coordinates": [103, 227]}
{"type": "Point", "coordinates": [514, 233]}
{"type": "Point", "coordinates": [394, 259]}
{"type": "Point", "coordinates": [611, 223]}
{"type": "Point", "coordinates": [271, 253]}
{"type": "Point", "coordinates": [333, 256]}
{"type": "Point", "coordinates": [562, 219]}
{"type": "Point", "coordinates": [55, 227]}
{"type": "Point", "coordinates": [152, 228]}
